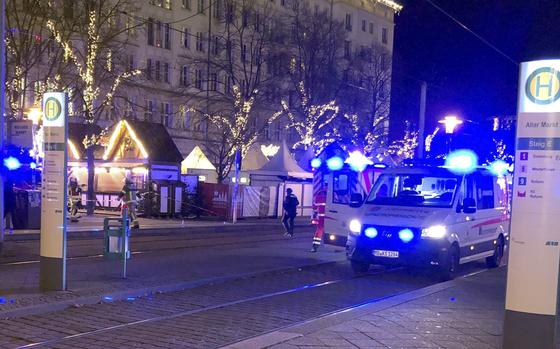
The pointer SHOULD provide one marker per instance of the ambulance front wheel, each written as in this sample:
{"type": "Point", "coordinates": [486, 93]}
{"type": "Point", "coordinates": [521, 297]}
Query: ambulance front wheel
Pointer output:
{"type": "Point", "coordinates": [359, 267]}
{"type": "Point", "coordinates": [495, 260]}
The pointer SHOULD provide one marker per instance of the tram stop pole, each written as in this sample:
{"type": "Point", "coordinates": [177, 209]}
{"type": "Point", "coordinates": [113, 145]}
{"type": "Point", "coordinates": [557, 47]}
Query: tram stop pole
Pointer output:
{"type": "Point", "coordinates": [54, 192]}
{"type": "Point", "coordinates": [534, 257]}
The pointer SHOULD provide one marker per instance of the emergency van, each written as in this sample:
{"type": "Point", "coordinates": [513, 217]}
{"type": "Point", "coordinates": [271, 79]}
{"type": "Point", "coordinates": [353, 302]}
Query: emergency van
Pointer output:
{"type": "Point", "coordinates": [429, 216]}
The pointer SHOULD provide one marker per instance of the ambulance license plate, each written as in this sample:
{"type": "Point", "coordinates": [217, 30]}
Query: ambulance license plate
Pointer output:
{"type": "Point", "coordinates": [386, 254]}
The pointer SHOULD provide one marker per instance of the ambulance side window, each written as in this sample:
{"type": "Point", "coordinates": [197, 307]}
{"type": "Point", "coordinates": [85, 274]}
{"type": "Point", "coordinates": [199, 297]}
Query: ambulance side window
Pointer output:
{"type": "Point", "coordinates": [341, 190]}
{"type": "Point", "coordinates": [485, 192]}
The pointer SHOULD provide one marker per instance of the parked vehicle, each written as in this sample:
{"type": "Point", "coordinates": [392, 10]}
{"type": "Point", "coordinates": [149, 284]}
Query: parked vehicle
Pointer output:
{"type": "Point", "coordinates": [428, 216]}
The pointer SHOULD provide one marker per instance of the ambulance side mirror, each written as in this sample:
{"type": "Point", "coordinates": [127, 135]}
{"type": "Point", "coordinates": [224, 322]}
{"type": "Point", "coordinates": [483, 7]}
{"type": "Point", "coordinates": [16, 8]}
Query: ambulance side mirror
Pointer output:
{"type": "Point", "coordinates": [356, 200]}
{"type": "Point", "coordinates": [469, 205]}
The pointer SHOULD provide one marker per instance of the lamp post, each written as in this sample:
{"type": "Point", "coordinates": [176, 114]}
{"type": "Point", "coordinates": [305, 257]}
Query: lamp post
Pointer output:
{"type": "Point", "coordinates": [450, 122]}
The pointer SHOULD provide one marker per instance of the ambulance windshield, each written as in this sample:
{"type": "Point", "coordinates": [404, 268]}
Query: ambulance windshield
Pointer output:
{"type": "Point", "coordinates": [414, 190]}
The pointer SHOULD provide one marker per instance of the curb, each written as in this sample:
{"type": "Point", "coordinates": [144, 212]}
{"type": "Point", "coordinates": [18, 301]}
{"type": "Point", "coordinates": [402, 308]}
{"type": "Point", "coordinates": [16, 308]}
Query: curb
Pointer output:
{"type": "Point", "coordinates": [299, 330]}
{"type": "Point", "coordinates": [124, 295]}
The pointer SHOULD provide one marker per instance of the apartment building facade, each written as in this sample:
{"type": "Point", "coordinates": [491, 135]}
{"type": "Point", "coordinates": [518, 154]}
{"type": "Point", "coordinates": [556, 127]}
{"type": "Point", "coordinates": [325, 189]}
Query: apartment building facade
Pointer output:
{"type": "Point", "coordinates": [172, 41]}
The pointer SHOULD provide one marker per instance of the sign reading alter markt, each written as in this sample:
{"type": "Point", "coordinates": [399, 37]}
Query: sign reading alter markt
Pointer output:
{"type": "Point", "coordinates": [54, 192]}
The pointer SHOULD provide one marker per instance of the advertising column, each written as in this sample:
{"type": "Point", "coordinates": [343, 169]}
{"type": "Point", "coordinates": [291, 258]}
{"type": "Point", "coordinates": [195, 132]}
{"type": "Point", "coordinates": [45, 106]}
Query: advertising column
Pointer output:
{"type": "Point", "coordinates": [532, 279]}
{"type": "Point", "coordinates": [54, 192]}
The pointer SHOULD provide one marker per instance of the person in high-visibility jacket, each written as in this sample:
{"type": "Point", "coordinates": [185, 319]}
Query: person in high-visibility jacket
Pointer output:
{"type": "Point", "coordinates": [128, 196]}
{"type": "Point", "coordinates": [319, 206]}
{"type": "Point", "coordinates": [74, 198]}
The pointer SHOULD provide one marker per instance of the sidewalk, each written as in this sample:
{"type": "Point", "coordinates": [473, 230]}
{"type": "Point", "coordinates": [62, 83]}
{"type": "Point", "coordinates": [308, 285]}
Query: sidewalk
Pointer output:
{"type": "Point", "coordinates": [463, 313]}
{"type": "Point", "coordinates": [93, 226]}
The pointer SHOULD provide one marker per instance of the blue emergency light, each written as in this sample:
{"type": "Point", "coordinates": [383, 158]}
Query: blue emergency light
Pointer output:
{"type": "Point", "coordinates": [12, 163]}
{"type": "Point", "coordinates": [335, 163]}
{"type": "Point", "coordinates": [358, 161]}
{"type": "Point", "coordinates": [499, 167]}
{"type": "Point", "coordinates": [461, 162]}
{"type": "Point", "coordinates": [316, 163]}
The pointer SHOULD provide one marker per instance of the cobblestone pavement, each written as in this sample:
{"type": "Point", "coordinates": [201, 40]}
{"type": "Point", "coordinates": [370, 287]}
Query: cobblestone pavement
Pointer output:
{"type": "Point", "coordinates": [466, 313]}
{"type": "Point", "coordinates": [208, 316]}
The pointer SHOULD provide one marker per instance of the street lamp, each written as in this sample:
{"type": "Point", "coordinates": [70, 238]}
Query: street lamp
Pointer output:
{"type": "Point", "coordinates": [450, 122]}
{"type": "Point", "coordinates": [35, 115]}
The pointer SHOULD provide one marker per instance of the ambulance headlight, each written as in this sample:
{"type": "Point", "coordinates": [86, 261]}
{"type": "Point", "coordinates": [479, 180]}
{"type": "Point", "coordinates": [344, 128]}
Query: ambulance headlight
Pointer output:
{"type": "Point", "coordinates": [434, 232]}
{"type": "Point", "coordinates": [355, 226]}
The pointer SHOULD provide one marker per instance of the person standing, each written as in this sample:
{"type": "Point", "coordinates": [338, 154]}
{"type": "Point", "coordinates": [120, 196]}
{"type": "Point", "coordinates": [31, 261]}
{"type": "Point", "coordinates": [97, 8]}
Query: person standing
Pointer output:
{"type": "Point", "coordinates": [290, 211]}
{"type": "Point", "coordinates": [74, 198]}
{"type": "Point", "coordinates": [128, 196]}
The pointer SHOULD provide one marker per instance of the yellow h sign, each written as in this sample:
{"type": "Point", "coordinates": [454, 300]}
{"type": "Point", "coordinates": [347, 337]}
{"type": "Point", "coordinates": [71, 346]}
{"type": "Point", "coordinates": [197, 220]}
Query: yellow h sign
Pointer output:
{"type": "Point", "coordinates": [543, 86]}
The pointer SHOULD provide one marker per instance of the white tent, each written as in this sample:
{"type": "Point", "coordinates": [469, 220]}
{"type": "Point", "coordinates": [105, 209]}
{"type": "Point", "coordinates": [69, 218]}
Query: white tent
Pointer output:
{"type": "Point", "coordinates": [254, 159]}
{"type": "Point", "coordinates": [196, 160]}
{"type": "Point", "coordinates": [282, 164]}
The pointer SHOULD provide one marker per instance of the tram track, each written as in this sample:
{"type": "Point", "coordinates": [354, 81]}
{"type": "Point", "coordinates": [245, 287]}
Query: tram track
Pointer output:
{"type": "Point", "coordinates": [237, 302]}
{"type": "Point", "coordinates": [180, 243]}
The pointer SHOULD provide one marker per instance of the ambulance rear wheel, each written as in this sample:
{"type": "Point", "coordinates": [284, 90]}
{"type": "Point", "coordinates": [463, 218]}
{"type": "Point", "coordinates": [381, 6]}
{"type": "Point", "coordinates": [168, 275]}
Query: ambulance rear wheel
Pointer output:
{"type": "Point", "coordinates": [359, 267]}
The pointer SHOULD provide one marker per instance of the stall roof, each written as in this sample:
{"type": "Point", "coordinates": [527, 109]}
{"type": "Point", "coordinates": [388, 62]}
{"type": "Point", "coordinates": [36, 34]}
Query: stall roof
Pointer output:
{"type": "Point", "coordinates": [152, 139]}
{"type": "Point", "coordinates": [283, 164]}
{"type": "Point", "coordinates": [254, 159]}
{"type": "Point", "coordinates": [196, 160]}
{"type": "Point", "coordinates": [76, 135]}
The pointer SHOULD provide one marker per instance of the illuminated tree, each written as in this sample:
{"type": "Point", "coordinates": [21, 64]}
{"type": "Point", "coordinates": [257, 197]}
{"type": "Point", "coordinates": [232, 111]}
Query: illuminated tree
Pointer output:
{"type": "Point", "coordinates": [312, 123]}
{"type": "Point", "coordinates": [95, 41]}
{"type": "Point", "coordinates": [34, 62]}
{"type": "Point", "coordinates": [232, 86]}
{"type": "Point", "coordinates": [404, 148]}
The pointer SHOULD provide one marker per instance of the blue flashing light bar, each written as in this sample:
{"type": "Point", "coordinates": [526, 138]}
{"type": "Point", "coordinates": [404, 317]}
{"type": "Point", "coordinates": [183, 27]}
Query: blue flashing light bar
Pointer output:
{"type": "Point", "coordinates": [358, 161]}
{"type": "Point", "coordinates": [499, 167]}
{"type": "Point", "coordinates": [461, 161]}
{"type": "Point", "coordinates": [12, 163]}
{"type": "Point", "coordinates": [316, 163]}
{"type": "Point", "coordinates": [379, 165]}
{"type": "Point", "coordinates": [335, 163]}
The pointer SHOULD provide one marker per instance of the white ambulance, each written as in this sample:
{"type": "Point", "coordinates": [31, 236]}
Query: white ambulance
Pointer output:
{"type": "Point", "coordinates": [428, 216]}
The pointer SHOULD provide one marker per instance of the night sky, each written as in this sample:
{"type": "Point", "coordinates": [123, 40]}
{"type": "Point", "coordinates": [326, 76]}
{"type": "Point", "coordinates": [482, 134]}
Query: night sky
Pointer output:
{"type": "Point", "coordinates": [465, 77]}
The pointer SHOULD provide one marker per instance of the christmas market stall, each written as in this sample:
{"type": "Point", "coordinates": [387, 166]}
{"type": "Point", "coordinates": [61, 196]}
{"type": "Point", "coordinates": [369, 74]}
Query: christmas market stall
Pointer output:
{"type": "Point", "coordinates": [141, 151]}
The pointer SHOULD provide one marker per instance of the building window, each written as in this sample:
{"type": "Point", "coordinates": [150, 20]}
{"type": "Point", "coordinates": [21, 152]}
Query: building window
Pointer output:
{"type": "Point", "coordinates": [130, 24]}
{"type": "Point", "coordinates": [149, 67]}
{"type": "Point", "coordinates": [348, 22]}
{"type": "Point", "coordinates": [166, 72]}
{"type": "Point", "coordinates": [167, 36]}
{"type": "Point", "coordinates": [363, 25]}
{"type": "Point", "coordinates": [167, 114]}
{"type": "Point", "coordinates": [187, 4]}
{"type": "Point", "coordinates": [370, 27]}
{"type": "Point", "coordinates": [184, 79]}
{"type": "Point", "coordinates": [213, 81]}
{"type": "Point", "coordinates": [158, 33]}
{"type": "Point", "coordinates": [244, 53]}
{"type": "Point", "coordinates": [201, 6]}
{"type": "Point", "coordinates": [158, 71]}
{"type": "Point", "coordinates": [150, 30]}
{"type": "Point", "coordinates": [130, 62]}
{"type": "Point", "coordinates": [198, 79]}
{"type": "Point", "coordinates": [384, 36]}
{"type": "Point", "coordinates": [200, 42]}
{"type": "Point", "coordinates": [149, 113]}
{"type": "Point", "coordinates": [227, 84]}
{"type": "Point", "coordinates": [218, 9]}
{"type": "Point", "coordinates": [347, 49]}
{"type": "Point", "coordinates": [186, 38]}
{"type": "Point", "coordinates": [278, 131]}
{"type": "Point", "coordinates": [216, 46]}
